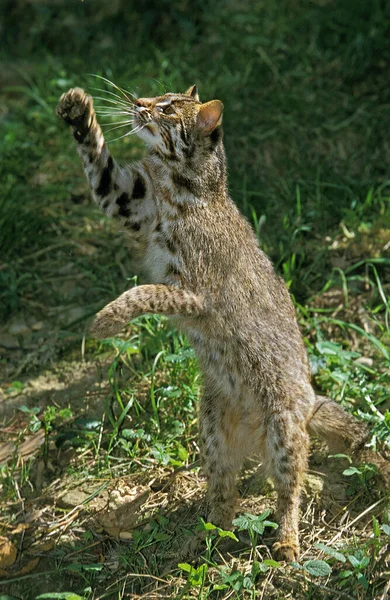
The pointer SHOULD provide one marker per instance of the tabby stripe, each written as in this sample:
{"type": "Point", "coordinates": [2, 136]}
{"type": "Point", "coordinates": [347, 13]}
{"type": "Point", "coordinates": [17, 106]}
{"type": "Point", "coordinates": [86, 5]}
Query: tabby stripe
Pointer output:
{"type": "Point", "coordinates": [105, 181]}
{"type": "Point", "coordinates": [183, 134]}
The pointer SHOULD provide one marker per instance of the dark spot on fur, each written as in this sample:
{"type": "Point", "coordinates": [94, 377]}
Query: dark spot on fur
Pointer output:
{"type": "Point", "coordinates": [139, 188]}
{"type": "Point", "coordinates": [284, 467]}
{"type": "Point", "coordinates": [105, 205]}
{"type": "Point", "coordinates": [211, 469]}
{"type": "Point", "coordinates": [123, 203]}
{"type": "Point", "coordinates": [189, 151]}
{"type": "Point", "coordinates": [124, 212]}
{"type": "Point", "coordinates": [134, 226]}
{"type": "Point", "coordinates": [169, 244]}
{"type": "Point", "coordinates": [105, 180]}
{"type": "Point", "coordinates": [172, 271]}
{"type": "Point", "coordinates": [184, 182]}
{"type": "Point", "coordinates": [123, 200]}
{"type": "Point", "coordinates": [79, 136]}
{"type": "Point", "coordinates": [215, 137]}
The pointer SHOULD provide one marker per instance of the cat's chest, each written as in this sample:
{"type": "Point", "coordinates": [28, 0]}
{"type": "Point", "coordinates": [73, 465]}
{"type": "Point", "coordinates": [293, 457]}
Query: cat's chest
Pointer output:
{"type": "Point", "coordinates": [163, 255]}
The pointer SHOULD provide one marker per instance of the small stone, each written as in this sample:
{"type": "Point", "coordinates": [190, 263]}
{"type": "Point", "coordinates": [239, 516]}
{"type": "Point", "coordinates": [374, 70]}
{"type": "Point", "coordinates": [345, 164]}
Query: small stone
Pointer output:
{"type": "Point", "coordinates": [19, 328]}
{"type": "Point", "coordinates": [72, 498]}
{"type": "Point", "coordinates": [364, 360]}
{"type": "Point", "coordinates": [313, 484]}
{"type": "Point", "coordinates": [8, 341]}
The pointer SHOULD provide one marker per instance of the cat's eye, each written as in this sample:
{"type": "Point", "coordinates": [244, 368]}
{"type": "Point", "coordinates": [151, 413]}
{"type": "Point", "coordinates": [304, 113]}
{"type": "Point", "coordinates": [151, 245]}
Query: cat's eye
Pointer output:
{"type": "Point", "coordinates": [169, 110]}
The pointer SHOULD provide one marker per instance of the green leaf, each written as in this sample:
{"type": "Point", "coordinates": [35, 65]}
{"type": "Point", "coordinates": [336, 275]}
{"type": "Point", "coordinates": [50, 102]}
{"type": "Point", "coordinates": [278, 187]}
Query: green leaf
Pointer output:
{"type": "Point", "coordinates": [375, 527]}
{"type": "Point", "coordinates": [385, 528]}
{"type": "Point", "coordinates": [263, 568]}
{"type": "Point", "coordinates": [185, 567]}
{"type": "Point", "coordinates": [355, 562]}
{"type": "Point", "coordinates": [332, 348]}
{"type": "Point", "coordinates": [351, 471]}
{"type": "Point", "coordinates": [332, 552]}
{"type": "Point", "coordinates": [248, 522]}
{"type": "Point", "coordinates": [317, 568]}
{"type": "Point", "coordinates": [226, 533]}
{"type": "Point", "coordinates": [220, 586]}
{"type": "Point", "coordinates": [5, 597]}
{"type": "Point", "coordinates": [196, 576]}
{"type": "Point", "coordinates": [345, 574]}
{"type": "Point", "coordinates": [59, 596]}
{"type": "Point", "coordinates": [362, 580]}
{"type": "Point", "coordinates": [272, 563]}
{"type": "Point", "coordinates": [209, 526]}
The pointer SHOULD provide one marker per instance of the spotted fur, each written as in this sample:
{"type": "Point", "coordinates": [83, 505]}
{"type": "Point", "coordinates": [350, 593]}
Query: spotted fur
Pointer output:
{"type": "Point", "coordinates": [207, 272]}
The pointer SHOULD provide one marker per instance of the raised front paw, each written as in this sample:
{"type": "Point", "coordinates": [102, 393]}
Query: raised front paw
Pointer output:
{"type": "Point", "coordinates": [107, 323]}
{"type": "Point", "coordinates": [76, 109]}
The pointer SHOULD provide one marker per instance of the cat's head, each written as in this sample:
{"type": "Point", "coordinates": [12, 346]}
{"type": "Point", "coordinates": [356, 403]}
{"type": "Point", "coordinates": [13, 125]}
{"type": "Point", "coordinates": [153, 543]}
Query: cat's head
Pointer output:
{"type": "Point", "coordinates": [177, 125]}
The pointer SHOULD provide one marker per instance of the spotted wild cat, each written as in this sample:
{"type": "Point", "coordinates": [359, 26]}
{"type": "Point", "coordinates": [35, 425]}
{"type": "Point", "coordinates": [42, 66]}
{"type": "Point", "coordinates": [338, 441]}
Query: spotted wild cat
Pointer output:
{"type": "Point", "coordinates": [206, 271]}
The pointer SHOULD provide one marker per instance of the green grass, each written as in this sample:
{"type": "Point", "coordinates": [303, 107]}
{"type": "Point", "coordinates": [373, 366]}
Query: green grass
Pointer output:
{"type": "Point", "coordinates": [306, 97]}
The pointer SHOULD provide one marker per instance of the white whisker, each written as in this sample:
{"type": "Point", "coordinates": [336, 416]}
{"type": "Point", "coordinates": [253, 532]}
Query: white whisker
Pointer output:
{"type": "Point", "coordinates": [118, 126]}
{"type": "Point", "coordinates": [119, 98]}
{"type": "Point", "coordinates": [136, 130]}
{"type": "Point", "coordinates": [110, 111]}
{"type": "Point", "coordinates": [115, 115]}
{"type": "Point", "coordinates": [115, 102]}
{"type": "Point", "coordinates": [122, 91]}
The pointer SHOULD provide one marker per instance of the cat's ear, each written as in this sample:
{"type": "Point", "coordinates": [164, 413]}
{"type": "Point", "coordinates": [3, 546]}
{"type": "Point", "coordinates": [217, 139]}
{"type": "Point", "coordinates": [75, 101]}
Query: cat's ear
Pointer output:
{"type": "Point", "coordinates": [193, 92]}
{"type": "Point", "coordinates": [209, 116]}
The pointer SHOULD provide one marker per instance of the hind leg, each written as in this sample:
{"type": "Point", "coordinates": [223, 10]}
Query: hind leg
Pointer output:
{"type": "Point", "coordinates": [287, 451]}
{"type": "Point", "coordinates": [223, 449]}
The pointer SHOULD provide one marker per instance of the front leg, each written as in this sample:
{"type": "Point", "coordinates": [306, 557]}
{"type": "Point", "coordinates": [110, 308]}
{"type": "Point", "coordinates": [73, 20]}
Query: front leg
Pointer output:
{"type": "Point", "coordinates": [158, 299]}
{"type": "Point", "coordinates": [121, 192]}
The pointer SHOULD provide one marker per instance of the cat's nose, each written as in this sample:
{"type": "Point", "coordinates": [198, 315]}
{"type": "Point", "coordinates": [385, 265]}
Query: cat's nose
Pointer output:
{"type": "Point", "coordinates": [142, 102]}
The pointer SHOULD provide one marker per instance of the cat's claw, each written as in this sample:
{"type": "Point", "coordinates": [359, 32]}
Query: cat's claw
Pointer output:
{"type": "Point", "coordinates": [76, 108]}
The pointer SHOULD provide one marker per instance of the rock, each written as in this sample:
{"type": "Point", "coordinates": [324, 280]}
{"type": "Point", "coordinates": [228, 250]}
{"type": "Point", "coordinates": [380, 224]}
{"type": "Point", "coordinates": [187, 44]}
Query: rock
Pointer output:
{"type": "Point", "coordinates": [9, 341]}
{"type": "Point", "coordinates": [123, 509]}
{"type": "Point", "coordinates": [313, 484]}
{"type": "Point", "coordinates": [19, 328]}
{"type": "Point", "coordinates": [8, 552]}
{"type": "Point", "coordinates": [72, 498]}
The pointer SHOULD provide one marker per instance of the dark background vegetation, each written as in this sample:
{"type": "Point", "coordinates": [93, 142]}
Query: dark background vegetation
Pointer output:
{"type": "Point", "coordinates": [306, 93]}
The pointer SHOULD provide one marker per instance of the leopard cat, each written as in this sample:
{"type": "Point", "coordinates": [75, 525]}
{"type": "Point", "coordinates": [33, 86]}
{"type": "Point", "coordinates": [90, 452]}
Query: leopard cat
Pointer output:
{"type": "Point", "coordinates": [207, 272]}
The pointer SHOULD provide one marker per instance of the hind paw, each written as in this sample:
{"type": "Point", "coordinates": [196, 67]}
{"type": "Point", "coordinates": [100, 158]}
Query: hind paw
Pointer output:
{"type": "Point", "coordinates": [286, 551]}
